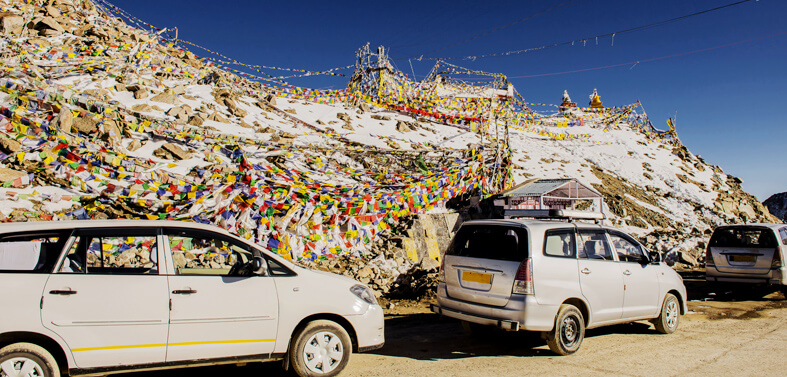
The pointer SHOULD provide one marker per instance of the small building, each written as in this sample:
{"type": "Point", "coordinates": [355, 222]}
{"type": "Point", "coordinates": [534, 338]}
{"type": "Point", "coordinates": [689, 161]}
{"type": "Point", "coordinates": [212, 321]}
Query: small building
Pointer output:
{"type": "Point", "coordinates": [548, 194]}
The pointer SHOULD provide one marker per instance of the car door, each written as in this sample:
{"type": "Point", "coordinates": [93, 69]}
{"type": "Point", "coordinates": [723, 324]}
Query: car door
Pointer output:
{"type": "Point", "coordinates": [599, 276]}
{"type": "Point", "coordinates": [640, 278]}
{"type": "Point", "coordinates": [107, 300]}
{"type": "Point", "coordinates": [219, 308]}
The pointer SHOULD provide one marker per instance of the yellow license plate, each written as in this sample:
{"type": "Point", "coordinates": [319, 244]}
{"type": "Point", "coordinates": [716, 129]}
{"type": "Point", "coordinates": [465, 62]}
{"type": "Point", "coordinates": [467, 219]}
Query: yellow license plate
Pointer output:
{"type": "Point", "coordinates": [743, 258]}
{"type": "Point", "coordinates": [476, 277]}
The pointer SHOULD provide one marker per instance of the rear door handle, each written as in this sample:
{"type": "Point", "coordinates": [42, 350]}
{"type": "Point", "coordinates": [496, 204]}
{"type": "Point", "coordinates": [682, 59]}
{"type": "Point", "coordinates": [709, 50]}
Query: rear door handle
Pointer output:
{"type": "Point", "coordinates": [184, 291]}
{"type": "Point", "coordinates": [585, 270]}
{"type": "Point", "coordinates": [63, 292]}
{"type": "Point", "coordinates": [627, 272]}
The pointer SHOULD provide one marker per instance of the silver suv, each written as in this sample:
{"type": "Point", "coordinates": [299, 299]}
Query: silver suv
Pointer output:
{"type": "Point", "coordinates": [748, 253]}
{"type": "Point", "coordinates": [555, 277]}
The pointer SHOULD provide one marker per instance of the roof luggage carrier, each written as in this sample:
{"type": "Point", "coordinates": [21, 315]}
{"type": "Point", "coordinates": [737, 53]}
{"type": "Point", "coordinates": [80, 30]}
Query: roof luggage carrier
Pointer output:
{"type": "Point", "coordinates": [557, 214]}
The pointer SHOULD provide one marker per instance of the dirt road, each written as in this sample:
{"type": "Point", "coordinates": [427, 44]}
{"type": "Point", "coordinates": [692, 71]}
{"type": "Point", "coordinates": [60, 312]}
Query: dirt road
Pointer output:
{"type": "Point", "coordinates": [738, 334]}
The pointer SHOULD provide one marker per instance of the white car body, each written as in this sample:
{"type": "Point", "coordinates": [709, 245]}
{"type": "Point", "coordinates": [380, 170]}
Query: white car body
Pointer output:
{"type": "Point", "coordinates": [480, 288]}
{"type": "Point", "coordinates": [112, 321]}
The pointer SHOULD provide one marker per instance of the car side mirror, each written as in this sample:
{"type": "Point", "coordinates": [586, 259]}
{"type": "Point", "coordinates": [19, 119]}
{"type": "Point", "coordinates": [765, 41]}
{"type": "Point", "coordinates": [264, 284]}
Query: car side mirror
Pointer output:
{"type": "Point", "coordinates": [259, 266]}
{"type": "Point", "coordinates": [655, 257]}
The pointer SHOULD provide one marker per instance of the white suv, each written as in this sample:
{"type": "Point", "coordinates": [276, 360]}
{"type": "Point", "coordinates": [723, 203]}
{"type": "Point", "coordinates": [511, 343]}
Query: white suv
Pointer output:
{"type": "Point", "coordinates": [555, 277]}
{"type": "Point", "coordinates": [99, 297]}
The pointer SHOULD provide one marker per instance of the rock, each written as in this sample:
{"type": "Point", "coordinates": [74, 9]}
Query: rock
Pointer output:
{"type": "Point", "coordinates": [176, 151]}
{"type": "Point", "coordinates": [218, 118]}
{"type": "Point", "coordinates": [142, 108]}
{"type": "Point", "coordinates": [141, 93]}
{"type": "Point", "coordinates": [10, 146]}
{"type": "Point", "coordinates": [64, 120]}
{"type": "Point", "coordinates": [343, 117]}
{"type": "Point", "coordinates": [111, 132]}
{"type": "Point", "coordinates": [402, 126]}
{"type": "Point", "coordinates": [234, 109]}
{"type": "Point", "coordinates": [11, 23]}
{"type": "Point", "coordinates": [196, 120]}
{"type": "Point", "coordinates": [135, 144]}
{"type": "Point", "coordinates": [381, 117]}
{"type": "Point", "coordinates": [165, 97]}
{"type": "Point", "coordinates": [86, 125]}
{"type": "Point", "coordinates": [271, 99]}
{"type": "Point", "coordinates": [7, 174]}
{"type": "Point", "coordinates": [364, 107]}
{"type": "Point", "coordinates": [180, 89]}
{"type": "Point", "coordinates": [179, 259]}
{"type": "Point", "coordinates": [348, 126]}
{"type": "Point", "coordinates": [48, 26]}
{"type": "Point", "coordinates": [177, 112]}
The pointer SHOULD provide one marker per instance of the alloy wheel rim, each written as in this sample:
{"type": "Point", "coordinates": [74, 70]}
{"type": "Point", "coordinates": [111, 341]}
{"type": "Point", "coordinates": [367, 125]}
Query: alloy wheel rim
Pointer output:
{"type": "Point", "coordinates": [323, 352]}
{"type": "Point", "coordinates": [20, 367]}
{"type": "Point", "coordinates": [672, 314]}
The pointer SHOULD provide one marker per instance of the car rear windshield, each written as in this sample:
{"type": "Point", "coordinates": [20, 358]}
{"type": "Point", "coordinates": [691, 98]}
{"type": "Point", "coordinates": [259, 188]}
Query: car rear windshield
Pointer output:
{"type": "Point", "coordinates": [490, 242]}
{"type": "Point", "coordinates": [743, 236]}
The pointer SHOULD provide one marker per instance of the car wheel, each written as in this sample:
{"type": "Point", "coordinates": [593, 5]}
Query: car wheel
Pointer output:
{"type": "Point", "coordinates": [28, 360]}
{"type": "Point", "coordinates": [566, 337]}
{"type": "Point", "coordinates": [668, 320]}
{"type": "Point", "coordinates": [322, 348]}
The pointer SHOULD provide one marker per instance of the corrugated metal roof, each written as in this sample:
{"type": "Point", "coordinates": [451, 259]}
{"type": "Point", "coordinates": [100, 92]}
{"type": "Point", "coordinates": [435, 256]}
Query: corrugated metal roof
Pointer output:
{"type": "Point", "coordinates": [561, 187]}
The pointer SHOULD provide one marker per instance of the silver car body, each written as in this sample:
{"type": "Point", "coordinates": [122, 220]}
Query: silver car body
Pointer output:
{"type": "Point", "coordinates": [607, 291]}
{"type": "Point", "coordinates": [747, 253]}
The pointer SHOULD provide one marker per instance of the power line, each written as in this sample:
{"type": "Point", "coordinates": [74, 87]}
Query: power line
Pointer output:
{"type": "Point", "coordinates": [493, 30]}
{"type": "Point", "coordinates": [584, 40]}
{"type": "Point", "coordinates": [647, 60]}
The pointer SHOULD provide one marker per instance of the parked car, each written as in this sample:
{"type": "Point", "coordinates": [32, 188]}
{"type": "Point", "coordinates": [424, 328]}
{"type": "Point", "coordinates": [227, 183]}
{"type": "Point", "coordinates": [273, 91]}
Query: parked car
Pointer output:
{"type": "Point", "coordinates": [748, 253]}
{"type": "Point", "coordinates": [555, 277]}
{"type": "Point", "coordinates": [100, 297]}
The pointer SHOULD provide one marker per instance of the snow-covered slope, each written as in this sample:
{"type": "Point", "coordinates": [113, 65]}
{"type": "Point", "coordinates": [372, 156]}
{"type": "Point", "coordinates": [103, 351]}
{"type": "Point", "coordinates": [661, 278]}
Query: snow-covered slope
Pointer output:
{"type": "Point", "coordinates": [104, 120]}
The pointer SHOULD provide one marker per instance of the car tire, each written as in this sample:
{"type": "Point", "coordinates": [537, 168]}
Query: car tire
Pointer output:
{"type": "Point", "coordinates": [37, 361]}
{"type": "Point", "coordinates": [569, 331]}
{"type": "Point", "coordinates": [669, 318]}
{"type": "Point", "coordinates": [322, 348]}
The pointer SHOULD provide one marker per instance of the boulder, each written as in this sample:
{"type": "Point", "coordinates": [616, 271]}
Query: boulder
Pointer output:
{"type": "Point", "coordinates": [171, 151]}
{"type": "Point", "coordinates": [7, 174]}
{"type": "Point", "coordinates": [402, 127]}
{"type": "Point", "coordinates": [196, 120]}
{"type": "Point", "coordinates": [48, 26]}
{"type": "Point", "coordinates": [10, 146]}
{"type": "Point", "coordinates": [234, 109]}
{"type": "Point", "coordinates": [11, 23]}
{"type": "Point", "coordinates": [142, 108]}
{"type": "Point", "coordinates": [141, 93]}
{"type": "Point", "coordinates": [343, 117]}
{"type": "Point", "coordinates": [165, 97]}
{"type": "Point", "coordinates": [381, 117]}
{"type": "Point", "coordinates": [85, 125]}
{"type": "Point", "coordinates": [218, 118]}
{"type": "Point", "coordinates": [64, 120]}
{"type": "Point", "coordinates": [110, 131]}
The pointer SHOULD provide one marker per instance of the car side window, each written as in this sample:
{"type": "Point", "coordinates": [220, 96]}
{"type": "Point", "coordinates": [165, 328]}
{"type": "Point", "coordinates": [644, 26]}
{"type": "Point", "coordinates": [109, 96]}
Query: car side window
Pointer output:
{"type": "Point", "coordinates": [196, 252]}
{"type": "Point", "coordinates": [559, 243]}
{"type": "Point", "coordinates": [594, 245]}
{"type": "Point", "coordinates": [783, 235]}
{"type": "Point", "coordinates": [31, 252]}
{"type": "Point", "coordinates": [113, 251]}
{"type": "Point", "coordinates": [627, 250]}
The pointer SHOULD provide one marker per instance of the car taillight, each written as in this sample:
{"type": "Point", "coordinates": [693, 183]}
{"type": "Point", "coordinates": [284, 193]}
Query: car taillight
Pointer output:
{"type": "Point", "coordinates": [777, 258]}
{"type": "Point", "coordinates": [523, 283]}
{"type": "Point", "coordinates": [441, 272]}
{"type": "Point", "coordinates": [708, 258]}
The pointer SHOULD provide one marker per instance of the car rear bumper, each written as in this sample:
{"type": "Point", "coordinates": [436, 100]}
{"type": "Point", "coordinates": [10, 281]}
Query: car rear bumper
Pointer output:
{"type": "Point", "coordinates": [776, 276]}
{"type": "Point", "coordinates": [522, 312]}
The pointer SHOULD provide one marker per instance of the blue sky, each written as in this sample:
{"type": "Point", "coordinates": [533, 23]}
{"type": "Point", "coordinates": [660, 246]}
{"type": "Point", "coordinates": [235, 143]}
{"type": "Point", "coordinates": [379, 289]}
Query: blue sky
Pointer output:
{"type": "Point", "coordinates": [729, 101]}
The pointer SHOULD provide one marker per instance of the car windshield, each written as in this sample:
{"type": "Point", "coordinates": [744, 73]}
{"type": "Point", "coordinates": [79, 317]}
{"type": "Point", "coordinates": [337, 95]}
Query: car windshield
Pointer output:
{"type": "Point", "coordinates": [490, 242]}
{"type": "Point", "coordinates": [740, 236]}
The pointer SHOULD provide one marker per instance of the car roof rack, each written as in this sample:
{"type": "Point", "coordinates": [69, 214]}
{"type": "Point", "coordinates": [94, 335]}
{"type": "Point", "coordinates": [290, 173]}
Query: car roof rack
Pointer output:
{"type": "Point", "coordinates": [558, 214]}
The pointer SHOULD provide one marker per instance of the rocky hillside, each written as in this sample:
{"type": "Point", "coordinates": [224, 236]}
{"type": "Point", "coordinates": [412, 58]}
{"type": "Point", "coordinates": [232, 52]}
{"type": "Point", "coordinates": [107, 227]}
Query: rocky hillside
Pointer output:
{"type": "Point", "coordinates": [777, 205]}
{"type": "Point", "coordinates": [101, 119]}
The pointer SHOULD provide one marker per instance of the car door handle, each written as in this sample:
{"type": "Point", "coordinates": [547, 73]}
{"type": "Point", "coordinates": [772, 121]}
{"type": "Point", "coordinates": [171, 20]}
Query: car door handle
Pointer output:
{"type": "Point", "coordinates": [627, 272]}
{"type": "Point", "coordinates": [63, 292]}
{"type": "Point", "coordinates": [184, 291]}
{"type": "Point", "coordinates": [585, 270]}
